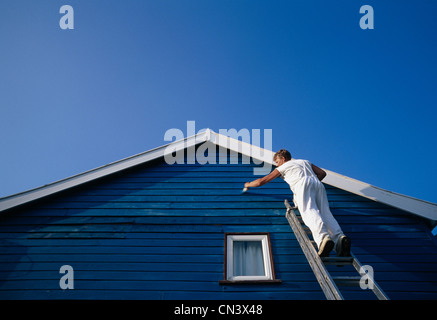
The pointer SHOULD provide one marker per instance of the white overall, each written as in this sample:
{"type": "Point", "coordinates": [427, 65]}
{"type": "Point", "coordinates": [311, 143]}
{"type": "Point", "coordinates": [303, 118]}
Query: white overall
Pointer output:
{"type": "Point", "coordinates": [311, 199]}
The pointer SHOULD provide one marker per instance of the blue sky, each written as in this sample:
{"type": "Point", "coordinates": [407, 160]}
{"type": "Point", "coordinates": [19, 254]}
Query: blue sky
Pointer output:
{"type": "Point", "coordinates": [358, 102]}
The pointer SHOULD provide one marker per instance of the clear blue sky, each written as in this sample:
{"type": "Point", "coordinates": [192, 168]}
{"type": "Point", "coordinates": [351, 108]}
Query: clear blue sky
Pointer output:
{"type": "Point", "coordinates": [358, 102]}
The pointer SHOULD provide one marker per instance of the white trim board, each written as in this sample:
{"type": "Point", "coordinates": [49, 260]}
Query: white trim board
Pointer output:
{"type": "Point", "coordinates": [100, 172]}
{"type": "Point", "coordinates": [418, 207]}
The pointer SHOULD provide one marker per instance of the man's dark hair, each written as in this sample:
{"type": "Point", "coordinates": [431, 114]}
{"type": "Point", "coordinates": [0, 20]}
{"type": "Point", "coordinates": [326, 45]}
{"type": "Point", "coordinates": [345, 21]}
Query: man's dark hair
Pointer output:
{"type": "Point", "coordinates": [282, 153]}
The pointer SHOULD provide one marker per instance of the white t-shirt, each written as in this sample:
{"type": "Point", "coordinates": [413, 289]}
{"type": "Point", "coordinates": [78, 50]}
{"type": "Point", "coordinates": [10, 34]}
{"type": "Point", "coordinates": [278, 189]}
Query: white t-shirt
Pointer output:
{"type": "Point", "coordinates": [294, 170]}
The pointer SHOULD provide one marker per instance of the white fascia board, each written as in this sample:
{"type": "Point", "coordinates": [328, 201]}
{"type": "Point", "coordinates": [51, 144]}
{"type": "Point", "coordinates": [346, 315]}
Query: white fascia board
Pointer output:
{"type": "Point", "coordinates": [416, 206]}
{"type": "Point", "coordinates": [260, 155]}
{"type": "Point", "coordinates": [413, 205]}
{"type": "Point", "coordinates": [76, 180]}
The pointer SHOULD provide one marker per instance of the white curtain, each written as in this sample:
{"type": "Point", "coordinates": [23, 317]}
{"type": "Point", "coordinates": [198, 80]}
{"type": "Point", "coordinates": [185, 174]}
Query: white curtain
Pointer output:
{"type": "Point", "coordinates": [248, 258]}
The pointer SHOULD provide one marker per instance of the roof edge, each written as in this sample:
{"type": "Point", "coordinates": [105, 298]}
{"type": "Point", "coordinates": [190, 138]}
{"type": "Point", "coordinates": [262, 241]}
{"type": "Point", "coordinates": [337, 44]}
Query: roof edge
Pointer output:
{"type": "Point", "coordinates": [99, 172]}
{"type": "Point", "coordinates": [412, 205]}
{"type": "Point", "coordinates": [415, 206]}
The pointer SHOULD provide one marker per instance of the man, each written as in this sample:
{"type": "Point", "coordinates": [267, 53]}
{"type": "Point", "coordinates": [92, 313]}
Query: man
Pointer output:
{"type": "Point", "coordinates": [310, 197]}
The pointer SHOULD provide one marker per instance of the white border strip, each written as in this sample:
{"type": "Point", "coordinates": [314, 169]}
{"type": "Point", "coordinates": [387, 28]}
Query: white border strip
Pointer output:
{"type": "Point", "coordinates": [416, 206]}
{"type": "Point", "coordinates": [76, 180]}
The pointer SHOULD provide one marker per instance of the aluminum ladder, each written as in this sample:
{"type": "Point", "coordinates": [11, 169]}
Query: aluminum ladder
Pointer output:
{"type": "Point", "coordinates": [328, 283]}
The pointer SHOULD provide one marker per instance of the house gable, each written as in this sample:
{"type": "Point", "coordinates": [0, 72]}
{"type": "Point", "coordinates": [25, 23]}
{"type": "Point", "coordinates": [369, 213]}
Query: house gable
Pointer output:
{"type": "Point", "coordinates": [156, 231]}
{"type": "Point", "coordinates": [415, 206]}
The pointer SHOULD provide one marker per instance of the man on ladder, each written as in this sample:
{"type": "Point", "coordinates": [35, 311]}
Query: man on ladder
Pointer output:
{"type": "Point", "coordinates": [310, 198]}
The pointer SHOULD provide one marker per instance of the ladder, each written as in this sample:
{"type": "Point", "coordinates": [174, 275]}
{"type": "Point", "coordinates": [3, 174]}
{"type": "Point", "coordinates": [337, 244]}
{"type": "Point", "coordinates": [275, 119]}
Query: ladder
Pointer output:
{"type": "Point", "coordinates": [328, 283]}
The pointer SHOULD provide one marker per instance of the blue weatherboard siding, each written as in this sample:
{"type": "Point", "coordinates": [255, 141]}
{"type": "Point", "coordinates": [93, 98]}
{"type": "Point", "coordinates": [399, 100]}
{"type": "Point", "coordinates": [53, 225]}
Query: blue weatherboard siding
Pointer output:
{"type": "Point", "coordinates": [157, 232]}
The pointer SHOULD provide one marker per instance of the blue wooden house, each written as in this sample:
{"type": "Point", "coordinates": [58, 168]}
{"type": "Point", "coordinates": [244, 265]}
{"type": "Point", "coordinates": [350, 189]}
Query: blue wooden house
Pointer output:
{"type": "Point", "coordinates": [144, 228]}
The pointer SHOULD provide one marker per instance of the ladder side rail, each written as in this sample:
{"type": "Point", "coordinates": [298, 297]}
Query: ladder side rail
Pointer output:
{"type": "Point", "coordinates": [377, 290]}
{"type": "Point", "coordinates": [323, 277]}
{"type": "Point", "coordinates": [317, 264]}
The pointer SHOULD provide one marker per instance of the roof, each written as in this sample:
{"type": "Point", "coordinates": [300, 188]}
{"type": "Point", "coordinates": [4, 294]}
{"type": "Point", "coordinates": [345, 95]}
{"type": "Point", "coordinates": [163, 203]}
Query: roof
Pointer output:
{"type": "Point", "coordinates": [412, 205]}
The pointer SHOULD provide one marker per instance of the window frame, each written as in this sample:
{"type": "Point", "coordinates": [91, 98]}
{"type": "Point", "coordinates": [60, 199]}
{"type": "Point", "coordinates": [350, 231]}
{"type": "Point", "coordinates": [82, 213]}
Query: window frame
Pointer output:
{"type": "Point", "coordinates": [269, 270]}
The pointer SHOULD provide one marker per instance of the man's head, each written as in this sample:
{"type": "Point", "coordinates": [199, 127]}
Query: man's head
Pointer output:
{"type": "Point", "coordinates": [281, 157]}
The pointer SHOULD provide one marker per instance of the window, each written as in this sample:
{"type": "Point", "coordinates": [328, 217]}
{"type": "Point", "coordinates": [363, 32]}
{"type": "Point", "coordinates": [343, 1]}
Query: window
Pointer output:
{"type": "Point", "coordinates": [248, 257]}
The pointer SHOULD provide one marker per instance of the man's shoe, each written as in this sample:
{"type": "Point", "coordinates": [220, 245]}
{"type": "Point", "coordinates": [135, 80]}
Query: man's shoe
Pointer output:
{"type": "Point", "coordinates": [325, 247]}
{"type": "Point", "coordinates": [343, 247]}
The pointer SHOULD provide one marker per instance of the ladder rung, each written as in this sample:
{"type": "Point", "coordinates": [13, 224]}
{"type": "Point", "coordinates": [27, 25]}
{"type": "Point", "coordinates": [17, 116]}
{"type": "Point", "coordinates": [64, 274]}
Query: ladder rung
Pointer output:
{"type": "Point", "coordinates": [347, 281]}
{"type": "Point", "coordinates": [337, 260]}
{"type": "Point", "coordinates": [306, 229]}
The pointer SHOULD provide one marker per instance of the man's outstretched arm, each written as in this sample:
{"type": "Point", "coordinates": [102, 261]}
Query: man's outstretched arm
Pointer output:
{"type": "Point", "coordinates": [261, 181]}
